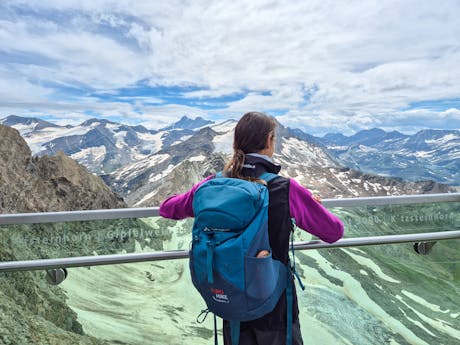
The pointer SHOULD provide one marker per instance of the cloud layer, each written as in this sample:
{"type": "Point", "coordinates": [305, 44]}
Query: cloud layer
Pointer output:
{"type": "Point", "coordinates": [319, 65]}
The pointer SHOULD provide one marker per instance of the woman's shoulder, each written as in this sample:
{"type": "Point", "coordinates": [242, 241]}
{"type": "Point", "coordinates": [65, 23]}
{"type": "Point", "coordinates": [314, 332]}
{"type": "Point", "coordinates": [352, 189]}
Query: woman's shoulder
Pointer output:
{"type": "Point", "coordinates": [279, 182]}
{"type": "Point", "coordinates": [281, 179]}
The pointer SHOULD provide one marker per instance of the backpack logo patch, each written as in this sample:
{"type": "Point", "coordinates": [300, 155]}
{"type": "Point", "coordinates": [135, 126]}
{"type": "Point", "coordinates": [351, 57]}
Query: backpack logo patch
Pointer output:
{"type": "Point", "coordinates": [219, 295]}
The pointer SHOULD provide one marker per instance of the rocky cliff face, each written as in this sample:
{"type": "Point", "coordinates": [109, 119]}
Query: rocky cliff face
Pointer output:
{"type": "Point", "coordinates": [38, 184]}
{"type": "Point", "coordinates": [31, 311]}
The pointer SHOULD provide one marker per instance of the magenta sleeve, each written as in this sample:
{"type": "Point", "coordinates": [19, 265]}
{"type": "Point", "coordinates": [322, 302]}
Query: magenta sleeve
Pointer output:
{"type": "Point", "coordinates": [180, 206]}
{"type": "Point", "coordinates": [311, 216]}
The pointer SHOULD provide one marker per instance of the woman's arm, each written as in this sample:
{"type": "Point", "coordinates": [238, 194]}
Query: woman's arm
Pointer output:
{"type": "Point", "coordinates": [311, 216]}
{"type": "Point", "coordinates": [180, 206]}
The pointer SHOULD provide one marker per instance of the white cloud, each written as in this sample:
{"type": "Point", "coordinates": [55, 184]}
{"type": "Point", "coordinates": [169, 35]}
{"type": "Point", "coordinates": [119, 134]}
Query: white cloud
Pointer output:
{"type": "Point", "coordinates": [329, 65]}
{"type": "Point", "coordinates": [212, 93]}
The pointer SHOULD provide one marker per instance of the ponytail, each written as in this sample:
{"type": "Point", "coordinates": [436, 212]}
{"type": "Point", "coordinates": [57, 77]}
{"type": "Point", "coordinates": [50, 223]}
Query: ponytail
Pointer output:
{"type": "Point", "coordinates": [235, 166]}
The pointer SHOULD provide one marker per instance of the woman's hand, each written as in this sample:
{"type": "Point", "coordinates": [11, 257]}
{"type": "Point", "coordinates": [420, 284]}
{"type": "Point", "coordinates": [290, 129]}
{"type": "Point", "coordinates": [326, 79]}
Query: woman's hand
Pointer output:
{"type": "Point", "coordinates": [263, 253]}
{"type": "Point", "coordinates": [316, 197]}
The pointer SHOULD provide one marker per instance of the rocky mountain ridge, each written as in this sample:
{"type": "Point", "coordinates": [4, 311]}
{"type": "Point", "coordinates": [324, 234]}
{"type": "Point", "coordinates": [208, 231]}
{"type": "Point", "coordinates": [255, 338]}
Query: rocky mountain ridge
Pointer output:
{"type": "Point", "coordinates": [145, 159]}
{"type": "Point", "coordinates": [176, 168]}
{"type": "Point", "coordinates": [48, 183]}
{"type": "Point", "coordinates": [428, 154]}
{"type": "Point", "coordinates": [104, 146]}
{"type": "Point", "coordinates": [100, 145]}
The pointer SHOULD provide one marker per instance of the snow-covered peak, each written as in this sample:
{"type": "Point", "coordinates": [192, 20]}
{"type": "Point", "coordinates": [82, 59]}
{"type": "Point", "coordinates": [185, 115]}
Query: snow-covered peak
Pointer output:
{"type": "Point", "coordinates": [97, 122]}
{"type": "Point", "coordinates": [26, 125]}
{"type": "Point", "coordinates": [302, 152]}
{"type": "Point", "coordinates": [187, 123]}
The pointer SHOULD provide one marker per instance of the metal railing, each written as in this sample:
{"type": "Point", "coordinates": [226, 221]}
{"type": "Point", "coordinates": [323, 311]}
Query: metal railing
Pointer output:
{"type": "Point", "coordinates": [45, 264]}
{"type": "Point", "coordinates": [122, 213]}
{"type": "Point", "coordinates": [84, 261]}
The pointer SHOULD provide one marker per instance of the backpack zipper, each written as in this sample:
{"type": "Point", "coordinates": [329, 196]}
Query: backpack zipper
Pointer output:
{"type": "Point", "coordinates": [209, 230]}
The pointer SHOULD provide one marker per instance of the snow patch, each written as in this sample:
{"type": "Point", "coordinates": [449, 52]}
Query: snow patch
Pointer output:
{"type": "Point", "coordinates": [181, 139]}
{"type": "Point", "coordinates": [91, 154]}
{"type": "Point", "coordinates": [417, 323]}
{"type": "Point", "coordinates": [24, 129]}
{"type": "Point", "coordinates": [367, 149]}
{"type": "Point", "coordinates": [440, 325]}
{"type": "Point", "coordinates": [120, 139]}
{"type": "Point", "coordinates": [423, 302]}
{"type": "Point", "coordinates": [132, 170]}
{"type": "Point", "coordinates": [443, 140]}
{"type": "Point", "coordinates": [223, 143]}
{"type": "Point", "coordinates": [199, 158]}
{"type": "Point", "coordinates": [225, 126]}
{"type": "Point", "coordinates": [424, 154]}
{"type": "Point", "coordinates": [371, 265]}
{"type": "Point", "coordinates": [37, 139]}
{"type": "Point", "coordinates": [151, 142]}
{"type": "Point", "coordinates": [164, 173]}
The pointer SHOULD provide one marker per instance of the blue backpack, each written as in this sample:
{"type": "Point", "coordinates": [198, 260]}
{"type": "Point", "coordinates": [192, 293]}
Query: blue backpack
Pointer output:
{"type": "Point", "coordinates": [230, 228]}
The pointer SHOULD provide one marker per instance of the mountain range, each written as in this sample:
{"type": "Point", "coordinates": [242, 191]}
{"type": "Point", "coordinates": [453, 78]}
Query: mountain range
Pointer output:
{"type": "Point", "coordinates": [145, 166]}
{"type": "Point", "coordinates": [100, 145]}
{"type": "Point", "coordinates": [426, 155]}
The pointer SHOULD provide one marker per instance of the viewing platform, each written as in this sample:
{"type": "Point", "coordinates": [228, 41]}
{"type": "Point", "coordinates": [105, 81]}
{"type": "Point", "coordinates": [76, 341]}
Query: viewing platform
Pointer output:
{"type": "Point", "coordinates": [120, 275]}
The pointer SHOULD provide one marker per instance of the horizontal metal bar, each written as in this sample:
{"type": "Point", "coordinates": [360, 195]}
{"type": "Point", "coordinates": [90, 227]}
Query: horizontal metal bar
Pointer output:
{"type": "Point", "coordinates": [84, 261]}
{"type": "Point", "coordinates": [44, 264]}
{"type": "Point", "coordinates": [392, 200]}
{"type": "Point", "coordinates": [72, 216]}
{"type": "Point", "coordinates": [380, 240]}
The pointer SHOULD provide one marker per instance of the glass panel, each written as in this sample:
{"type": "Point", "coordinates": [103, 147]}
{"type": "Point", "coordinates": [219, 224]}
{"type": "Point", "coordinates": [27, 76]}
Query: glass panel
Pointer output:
{"type": "Point", "coordinates": [55, 240]}
{"type": "Point", "coordinates": [101, 237]}
{"type": "Point", "coordinates": [395, 219]}
{"type": "Point", "coordinates": [369, 295]}
{"type": "Point", "coordinates": [381, 295]}
{"type": "Point", "coordinates": [399, 219]}
{"type": "Point", "coordinates": [142, 303]}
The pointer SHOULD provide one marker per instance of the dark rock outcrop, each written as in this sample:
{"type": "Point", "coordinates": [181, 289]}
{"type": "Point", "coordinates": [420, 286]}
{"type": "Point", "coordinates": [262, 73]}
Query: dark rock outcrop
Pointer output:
{"type": "Point", "coordinates": [48, 183]}
{"type": "Point", "coordinates": [31, 311]}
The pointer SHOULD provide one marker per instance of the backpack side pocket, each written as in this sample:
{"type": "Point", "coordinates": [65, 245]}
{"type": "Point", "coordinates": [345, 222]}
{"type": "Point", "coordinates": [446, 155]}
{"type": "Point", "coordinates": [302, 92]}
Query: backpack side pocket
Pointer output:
{"type": "Point", "coordinates": [262, 275]}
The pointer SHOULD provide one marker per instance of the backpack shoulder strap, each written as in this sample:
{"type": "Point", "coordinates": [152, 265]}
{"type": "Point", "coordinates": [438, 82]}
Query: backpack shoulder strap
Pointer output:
{"type": "Point", "coordinates": [268, 176]}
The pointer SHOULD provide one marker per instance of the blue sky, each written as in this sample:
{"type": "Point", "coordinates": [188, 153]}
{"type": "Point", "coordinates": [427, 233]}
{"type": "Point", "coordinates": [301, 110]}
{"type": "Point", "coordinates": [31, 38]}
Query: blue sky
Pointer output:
{"type": "Point", "coordinates": [322, 66]}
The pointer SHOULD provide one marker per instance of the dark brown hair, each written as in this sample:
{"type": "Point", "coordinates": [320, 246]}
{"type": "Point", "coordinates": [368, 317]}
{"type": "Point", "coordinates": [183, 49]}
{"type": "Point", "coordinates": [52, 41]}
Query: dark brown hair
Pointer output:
{"type": "Point", "coordinates": [251, 135]}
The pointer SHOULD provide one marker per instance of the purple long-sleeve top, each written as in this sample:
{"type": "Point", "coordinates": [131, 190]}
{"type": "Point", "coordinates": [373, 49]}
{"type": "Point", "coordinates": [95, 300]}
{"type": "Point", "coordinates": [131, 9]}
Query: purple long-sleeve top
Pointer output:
{"type": "Point", "coordinates": [309, 214]}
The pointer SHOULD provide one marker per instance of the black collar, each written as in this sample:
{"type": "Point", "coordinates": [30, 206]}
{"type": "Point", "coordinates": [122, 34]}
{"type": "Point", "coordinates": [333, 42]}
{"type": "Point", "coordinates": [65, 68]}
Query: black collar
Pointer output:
{"type": "Point", "coordinates": [255, 166]}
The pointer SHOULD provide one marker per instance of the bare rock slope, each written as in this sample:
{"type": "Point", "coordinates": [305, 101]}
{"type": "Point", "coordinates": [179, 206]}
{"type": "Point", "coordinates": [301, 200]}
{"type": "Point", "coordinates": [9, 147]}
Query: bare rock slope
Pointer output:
{"type": "Point", "coordinates": [31, 311]}
{"type": "Point", "coordinates": [38, 184]}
